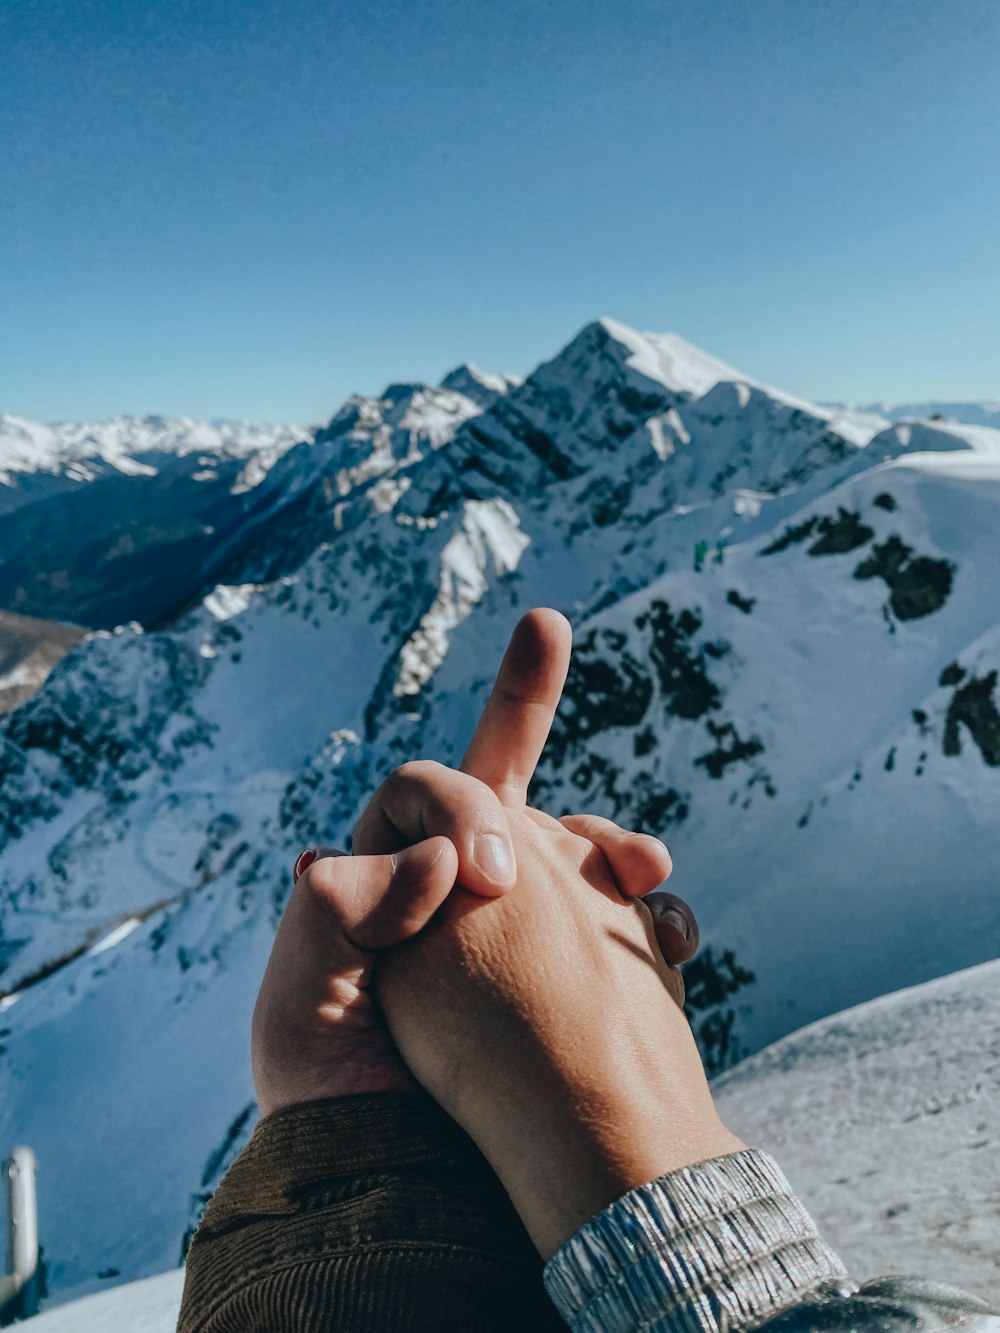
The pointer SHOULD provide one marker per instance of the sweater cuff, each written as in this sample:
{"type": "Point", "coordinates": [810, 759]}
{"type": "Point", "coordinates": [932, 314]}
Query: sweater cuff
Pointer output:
{"type": "Point", "coordinates": [719, 1246]}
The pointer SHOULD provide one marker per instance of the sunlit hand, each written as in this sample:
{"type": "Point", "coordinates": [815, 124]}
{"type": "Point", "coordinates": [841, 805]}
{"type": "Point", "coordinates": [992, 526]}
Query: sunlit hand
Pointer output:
{"type": "Point", "coordinates": [317, 1029]}
{"type": "Point", "coordinates": [545, 1022]}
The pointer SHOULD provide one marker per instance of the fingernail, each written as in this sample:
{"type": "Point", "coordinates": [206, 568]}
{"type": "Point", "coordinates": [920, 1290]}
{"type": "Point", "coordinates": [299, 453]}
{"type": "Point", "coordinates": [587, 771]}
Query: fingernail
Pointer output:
{"type": "Point", "coordinates": [679, 922]}
{"type": "Point", "coordinates": [305, 860]}
{"type": "Point", "coordinates": [494, 859]}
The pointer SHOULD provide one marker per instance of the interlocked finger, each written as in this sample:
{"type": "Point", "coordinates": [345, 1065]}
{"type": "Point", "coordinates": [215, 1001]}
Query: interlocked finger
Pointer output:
{"type": "Point", "coordinates": [639, 862]}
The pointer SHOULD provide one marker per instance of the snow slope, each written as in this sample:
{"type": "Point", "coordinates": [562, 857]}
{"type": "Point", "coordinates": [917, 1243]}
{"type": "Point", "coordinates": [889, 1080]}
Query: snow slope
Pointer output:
{"type": "Point", "coordinates": [149, 1306]}
{"type": "Point", "coordinates": [885, 1120]}
{"type": "Point", "coordinates": [787, 643]}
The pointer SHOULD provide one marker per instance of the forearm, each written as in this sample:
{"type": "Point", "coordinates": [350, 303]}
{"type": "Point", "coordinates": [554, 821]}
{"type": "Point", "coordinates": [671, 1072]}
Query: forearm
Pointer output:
{"type": "Point", "coordinates": [362, 1213]}
{"type": "Point", "coordinates": [570, 1131]}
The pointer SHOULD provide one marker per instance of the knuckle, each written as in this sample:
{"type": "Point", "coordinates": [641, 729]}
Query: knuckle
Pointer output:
{"type": "Point", "coordinates": [320, 879]}
{"type": "Point", "coordinates": [316, 876]}
{"type": "Point", "coordinates": [415, 771]}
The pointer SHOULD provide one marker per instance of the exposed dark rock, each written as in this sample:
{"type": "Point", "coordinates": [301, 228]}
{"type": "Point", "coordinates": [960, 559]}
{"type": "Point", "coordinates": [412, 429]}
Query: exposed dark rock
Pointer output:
{"type": "Point", "coordinates": [709, 981]}
{"type": "Point", "coordinates": [217, 1163]}
{"type": "Point", "coordinates": [220, 851]}
{"type": "Point", "coordinates": [838, 535]}
{"type": "Point", "coordinates": [917, 585]}
{"type": "Point", "coordinates": [606, 500]}
{"type": "Point", "coordinates": [521, 429]}
{"type": "Point", "coordinates": [730, 749]}
{"type": "Point", "coordinates": [653, 808]}
{"type": "Point", "coordinates": [952, 675]}
{"type": "Point", "coordinates": [643, 741]}
{"type": "Point", "coordinates": [606, 687]}
{"type": "Point", "coordinates": [718, 648]}
{"type": "Point", "coordinates": [974, 707]}
{"type": "Point", "coordinates": [640, 802]}
{"type": "Point", "coordinates": [885, 501]}
{"type": "Point", "coordinates": [890, 760]}
{"type": "Point", "coordinates": [923, 587]}
{"type": "Point", "coordinates": [687, 689]}
{"type": "Point", "coordinates": [744, 604]}
{"type": "Point", "coordinates": [791, 535]}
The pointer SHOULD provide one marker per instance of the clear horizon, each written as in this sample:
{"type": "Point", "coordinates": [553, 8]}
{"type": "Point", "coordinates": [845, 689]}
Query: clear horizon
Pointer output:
{"type": "Point", "coordinates": [228, 211]}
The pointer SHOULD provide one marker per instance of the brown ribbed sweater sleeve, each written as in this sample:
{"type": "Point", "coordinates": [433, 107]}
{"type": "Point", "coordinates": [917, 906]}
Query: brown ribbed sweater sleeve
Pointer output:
{"type": "Point", "coordinates": [365, 1214]}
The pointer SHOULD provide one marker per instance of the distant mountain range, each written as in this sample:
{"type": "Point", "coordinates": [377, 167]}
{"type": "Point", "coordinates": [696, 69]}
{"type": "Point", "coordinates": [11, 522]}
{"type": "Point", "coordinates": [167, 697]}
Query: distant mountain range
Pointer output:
{"type": "Point", "coordinates": [986, 413]}
{"type": "Point", "coordinates": [144, 515]}
{"type": "Point", "coordinates": [787, 646]}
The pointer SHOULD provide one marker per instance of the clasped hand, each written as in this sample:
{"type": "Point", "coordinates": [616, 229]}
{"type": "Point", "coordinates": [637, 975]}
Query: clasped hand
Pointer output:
{"type": "Point", "coordinates": [505, 960]}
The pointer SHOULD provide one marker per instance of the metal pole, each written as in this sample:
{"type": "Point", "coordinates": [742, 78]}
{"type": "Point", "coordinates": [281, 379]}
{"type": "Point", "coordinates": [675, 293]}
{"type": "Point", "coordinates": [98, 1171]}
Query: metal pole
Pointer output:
{"type": "Point", "coordinates": [21, 1226]}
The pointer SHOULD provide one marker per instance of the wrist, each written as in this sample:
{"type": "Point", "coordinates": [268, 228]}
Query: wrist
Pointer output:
{"type": "Point", "coordinates": [293, 1067]}
{"type": "Point", "coordinates": [280, 1089]}
{"type": "Point", "coordinates": [567, 1142]}
{"type": "Point", "coordinates": [578, 1172]}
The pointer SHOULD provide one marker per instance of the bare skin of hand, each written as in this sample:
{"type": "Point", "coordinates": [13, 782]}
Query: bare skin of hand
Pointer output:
{"type": "Point", "coordinates": [317, 1029]}
{"type": "Point", "coordinates": [545, 1022]}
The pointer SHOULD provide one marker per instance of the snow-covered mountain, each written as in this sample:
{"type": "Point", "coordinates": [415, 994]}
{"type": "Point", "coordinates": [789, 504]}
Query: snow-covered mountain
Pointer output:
{"type": "Point", "coordinates": [106, 522]}
{"type": "Point", "coordinates": [138, 518]}
{"type": "Point", "coordinates": [986, 413]}
{"type": "Point", "coordinates": [37, 459]}
{"type": "Point", "coordinates": [481, 386]}
{"type": "Point", "coordinates": [787, 646]}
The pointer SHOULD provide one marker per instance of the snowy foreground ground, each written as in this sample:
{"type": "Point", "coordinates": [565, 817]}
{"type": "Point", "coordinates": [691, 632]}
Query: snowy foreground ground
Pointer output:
{"type": "Point", "coordinates": [149, 1306]}
{"type": "Point", "coordinates": [885, 1118]}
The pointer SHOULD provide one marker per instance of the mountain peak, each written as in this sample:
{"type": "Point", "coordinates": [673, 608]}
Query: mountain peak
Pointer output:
{"type": "Point", "coordinates": [678, 365]}
{"type": "Point", "coordinates": [482, 386]}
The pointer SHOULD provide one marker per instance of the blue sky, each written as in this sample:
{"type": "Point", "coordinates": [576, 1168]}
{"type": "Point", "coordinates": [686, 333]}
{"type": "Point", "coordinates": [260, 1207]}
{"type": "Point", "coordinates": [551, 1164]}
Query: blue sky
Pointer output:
{"type": "Point", "coordinates": [238, 208]}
